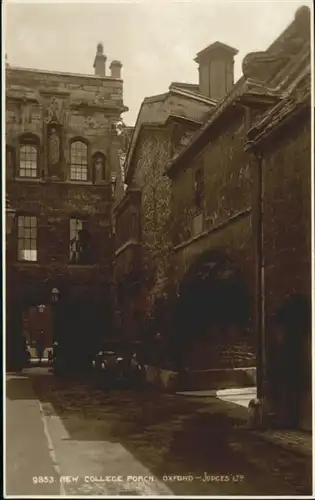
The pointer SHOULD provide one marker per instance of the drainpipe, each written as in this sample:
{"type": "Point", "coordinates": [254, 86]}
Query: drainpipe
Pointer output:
{"type": "Point", "coordinates": [260, 282]}
{"type": "Point", "coordinates": [257, 406]}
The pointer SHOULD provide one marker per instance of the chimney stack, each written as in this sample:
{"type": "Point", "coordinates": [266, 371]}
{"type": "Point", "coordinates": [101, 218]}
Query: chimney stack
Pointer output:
{"type": "Point", "coordinates": [100, 61]}
{"type": "Point", "coordinates": [216, 70]}
{"type": "Point", "coordinates": [115, 69]}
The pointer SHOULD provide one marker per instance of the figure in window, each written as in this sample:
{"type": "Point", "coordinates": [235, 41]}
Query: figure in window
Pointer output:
{"type": "Point", "coordinates": [80, 246]}
{"type": "Point", "coordinates": [99, 169]}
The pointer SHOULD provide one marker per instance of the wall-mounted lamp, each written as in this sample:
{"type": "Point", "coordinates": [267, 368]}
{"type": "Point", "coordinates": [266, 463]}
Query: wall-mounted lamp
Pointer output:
{"type": "Point", "coordinates": [113, 182]}
{"type": "Point", "coordinates": [9, 215]}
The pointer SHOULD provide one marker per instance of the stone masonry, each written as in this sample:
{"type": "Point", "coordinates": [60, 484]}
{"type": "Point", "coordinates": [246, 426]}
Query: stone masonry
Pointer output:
{"type": "Point", "coordinates": [69, 107]}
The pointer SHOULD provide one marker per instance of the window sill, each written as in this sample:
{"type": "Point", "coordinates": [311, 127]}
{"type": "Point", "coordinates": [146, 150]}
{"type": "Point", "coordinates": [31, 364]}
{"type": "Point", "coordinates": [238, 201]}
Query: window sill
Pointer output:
{"type": "Point", "coordinates": [29, 179]}
{"type": "Point", "coordinates": [69, 181]}
{"type": "Point", "coordinates": [26, 263]}
{"type": "Point", "coordinates": [81, 266]}
{"type": "Point", "coordinates": [88, 183]}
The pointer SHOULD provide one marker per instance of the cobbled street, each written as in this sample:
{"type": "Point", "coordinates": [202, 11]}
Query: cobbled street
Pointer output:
{"type": "Point", "coordinates": [79, 439]}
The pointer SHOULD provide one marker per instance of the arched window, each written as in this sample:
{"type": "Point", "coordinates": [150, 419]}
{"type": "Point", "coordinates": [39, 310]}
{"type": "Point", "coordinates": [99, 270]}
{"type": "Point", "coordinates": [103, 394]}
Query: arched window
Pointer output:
{"type": "Point", "coordinates": [79, 161]}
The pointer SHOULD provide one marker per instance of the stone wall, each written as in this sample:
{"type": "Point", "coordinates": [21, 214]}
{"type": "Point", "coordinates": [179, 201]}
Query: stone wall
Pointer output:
{"type": "Point", "coordinates": [287, 215]}
{"type": "Point", "coordinates": [286, 175]}
{"type": "Point", "coordinates": [228, 180]}
{"type": "Point", "coordinates": [80, 107]}
{"type": "Point", "coordinates": [227, 228]}
{"type": "Point", "coordinates": [150, 160]}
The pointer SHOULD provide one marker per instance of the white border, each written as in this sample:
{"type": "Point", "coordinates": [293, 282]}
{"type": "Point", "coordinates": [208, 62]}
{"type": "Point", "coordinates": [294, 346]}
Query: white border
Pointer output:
{"type": "Point", "coordinates": [4, 241]}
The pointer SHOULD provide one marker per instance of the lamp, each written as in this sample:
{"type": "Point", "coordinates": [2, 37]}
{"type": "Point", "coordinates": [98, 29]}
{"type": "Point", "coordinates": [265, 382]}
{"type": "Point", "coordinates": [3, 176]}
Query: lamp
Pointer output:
{"type": "Point", "coordinates": [55, 295]}
{"type": "Point", "coordinates": [10, 215]}
{"type": "Point", "coordinates": [41, 308]}
{"type": "Point", "coordinates": [113, 182]}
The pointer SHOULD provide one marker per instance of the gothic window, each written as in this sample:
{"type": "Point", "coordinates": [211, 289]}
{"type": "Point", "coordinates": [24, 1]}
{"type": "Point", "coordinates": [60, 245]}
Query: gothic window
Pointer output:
{"type": "Point", "coordinates": [199, 188]}
{"type": "Point", "coordinates": [27, 238]}
{"type": "Point", "coordinates": [79, 242]}
{"type": "Point", "coordinates": [79, 161]}
{"type": "Point", "coordinates": [28, 166]}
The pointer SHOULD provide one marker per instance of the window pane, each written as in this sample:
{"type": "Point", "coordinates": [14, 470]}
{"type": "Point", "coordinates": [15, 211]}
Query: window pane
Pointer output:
{"type": "Point", "coordinates": [28, 161]}
{"type": "Point", "coordinates": [27, 238]}
{"type": "Point", "coordinates": [33, 244]}
{"type": "Point", "coordinates": [74, 245]}
{"type": "Point", "coordinates": [78, 170]}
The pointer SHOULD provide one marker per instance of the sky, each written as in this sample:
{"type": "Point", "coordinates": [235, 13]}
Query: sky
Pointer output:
{"type": "Point", "coordinates": [156, 40]}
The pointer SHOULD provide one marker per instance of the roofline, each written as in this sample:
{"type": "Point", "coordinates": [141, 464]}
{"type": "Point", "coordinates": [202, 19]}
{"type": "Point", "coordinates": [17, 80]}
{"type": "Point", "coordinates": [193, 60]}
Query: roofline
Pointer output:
{"type": "Point", "coordinates": [173, 116]}
{"type": "Point", "coordinates": [213, 47]}
{"type": "Point", "coordinates": [180, 91]}
{"type": "Point", "coordinates": [236, 92]}
{"type": "Point", "coordinates": [206, 125]}
{"type": "Point", "coordinates": [266, 133]}
{"type": "Point", "coordinates": [62, 73]}
{"type": "Point", "coordinates": [154, 98]}
{"type": "Point", "coordinates": [192, 95]}
{"type": "Point", "coordinates": [178, 84]}
{"type": "Point", "coordinates": [157, 98]}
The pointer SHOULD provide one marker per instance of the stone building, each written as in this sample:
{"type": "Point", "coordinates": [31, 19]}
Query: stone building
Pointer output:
{"type": "Point", "coordinates": [242, 233]}
{"type": "Point", "coordinates": [281, 145]}
{"type": "Point", "coordinates": [143, 219]}
{"type": "Point", "coordinates": [62, 165]}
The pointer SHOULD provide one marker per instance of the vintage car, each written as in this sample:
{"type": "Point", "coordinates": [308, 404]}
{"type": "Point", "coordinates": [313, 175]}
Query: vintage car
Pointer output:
{"type": "Point", "coordinates": [116, 364]}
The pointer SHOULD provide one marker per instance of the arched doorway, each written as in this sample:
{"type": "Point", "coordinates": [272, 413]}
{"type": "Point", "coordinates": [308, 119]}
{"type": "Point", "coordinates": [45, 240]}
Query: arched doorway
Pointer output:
{"type": "Point", "coordinates": [213, 315]}
{"type": "Point", "coordinates": [289, 362]}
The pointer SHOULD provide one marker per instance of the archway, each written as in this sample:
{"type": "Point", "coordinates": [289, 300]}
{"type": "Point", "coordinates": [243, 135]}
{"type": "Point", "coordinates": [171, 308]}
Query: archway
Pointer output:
{"type": "Point", "coordinates": [213, 314]}
{"type": "Point", "coordinates": [289, 362]}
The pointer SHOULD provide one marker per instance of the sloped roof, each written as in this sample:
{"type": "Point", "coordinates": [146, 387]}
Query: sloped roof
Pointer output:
{"type": "Point", "coordinates": [153, 112]}
{"type": "Point", "coordinates": [240, 89]}
{"type": "Point", "coordinates": [293, 102]}
{"type": "Point", "coordinates": [193, 87]}
{"type": "Point", "coordinates": [248, 85]}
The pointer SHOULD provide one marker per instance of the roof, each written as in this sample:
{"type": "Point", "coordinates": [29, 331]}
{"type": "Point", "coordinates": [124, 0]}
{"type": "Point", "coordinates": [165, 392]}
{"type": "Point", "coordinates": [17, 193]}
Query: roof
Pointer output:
{"type": "Point", "coordinates": [241, 88]}
{"type": "Point", "coordinates": [214, 47]}
{"type": "Point", "coordinates": [249, 86]}
{"type": "Point", "coordinates": [194, 87]}
{"type": "Point", "coordinates": [60, 73]}
{"type": "Point", "coordinates": [152, 108]}
{"type": "Point", "coordinates": [291, 104]}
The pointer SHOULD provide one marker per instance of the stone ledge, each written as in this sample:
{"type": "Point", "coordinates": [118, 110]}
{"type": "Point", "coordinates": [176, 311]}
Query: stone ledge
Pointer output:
{"type": "Point", "coordinates": [214, 379]}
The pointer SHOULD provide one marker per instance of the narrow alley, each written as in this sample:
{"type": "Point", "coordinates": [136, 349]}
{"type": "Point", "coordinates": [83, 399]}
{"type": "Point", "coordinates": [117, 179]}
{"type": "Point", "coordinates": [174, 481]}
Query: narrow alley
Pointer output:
{"type": "Point", "coordinates": [91, 442]}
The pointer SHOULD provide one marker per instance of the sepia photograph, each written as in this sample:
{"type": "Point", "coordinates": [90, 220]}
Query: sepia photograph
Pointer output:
{"type": "Point", "coordinates": [158, 246]}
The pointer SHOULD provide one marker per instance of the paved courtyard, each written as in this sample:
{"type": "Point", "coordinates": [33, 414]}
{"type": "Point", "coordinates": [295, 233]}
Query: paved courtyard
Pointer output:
{"type": "Point", "coordinates": [65, 437]}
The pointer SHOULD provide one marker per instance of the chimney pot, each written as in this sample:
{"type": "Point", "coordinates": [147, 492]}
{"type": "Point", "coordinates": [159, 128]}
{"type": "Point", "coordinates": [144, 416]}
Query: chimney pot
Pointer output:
{"type": "Point", "coordinates": [100, 61]}
{"type": "Point", "coordinates": [216, 70]}
{"type": "Point", "coordinates": [115, 69]}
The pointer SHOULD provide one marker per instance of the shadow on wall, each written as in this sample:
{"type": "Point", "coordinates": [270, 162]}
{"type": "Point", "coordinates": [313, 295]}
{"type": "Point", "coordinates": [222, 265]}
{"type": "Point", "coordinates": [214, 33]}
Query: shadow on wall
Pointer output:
{"type": "Point", "coordinates": [290, 361]}
{"type": "Point", "coordinates": [213, 314]}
